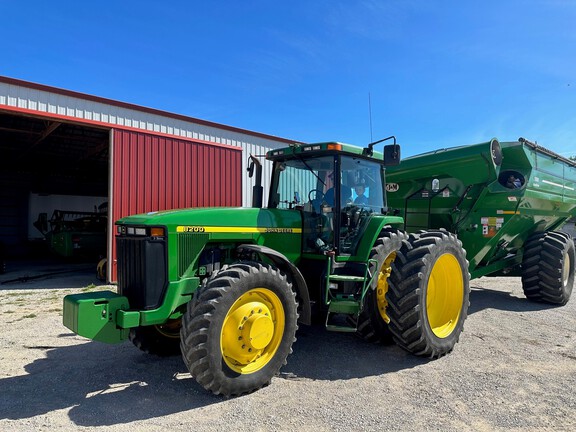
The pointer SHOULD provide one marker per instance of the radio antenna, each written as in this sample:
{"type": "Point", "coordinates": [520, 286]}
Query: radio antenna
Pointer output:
{"type": "Point", "coordinates": [370, 115]}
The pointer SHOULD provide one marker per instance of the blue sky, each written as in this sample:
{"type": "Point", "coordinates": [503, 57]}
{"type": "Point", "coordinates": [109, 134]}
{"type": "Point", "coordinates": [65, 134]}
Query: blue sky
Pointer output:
{"type": "Point", "coordinates": [439, 73]}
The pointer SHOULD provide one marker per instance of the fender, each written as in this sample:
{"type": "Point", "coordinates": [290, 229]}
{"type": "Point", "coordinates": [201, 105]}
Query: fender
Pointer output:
{"type": "Point", "coordinates": [372, 232]}
{"type": "Point", "coordinates": [283, 263]}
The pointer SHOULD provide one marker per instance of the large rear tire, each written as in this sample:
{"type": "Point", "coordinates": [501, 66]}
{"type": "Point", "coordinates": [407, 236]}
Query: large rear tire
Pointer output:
{"type": "Point", "coordinates": [239, 330]}
{"type": "Point", "coordinates": [428, 295]}
{"type": "Point", "coordinates": [161, 340]}
{"type": "Point", "coordinates": [548, 267]}
{"type": "Point", "coordinates": [373, 319]}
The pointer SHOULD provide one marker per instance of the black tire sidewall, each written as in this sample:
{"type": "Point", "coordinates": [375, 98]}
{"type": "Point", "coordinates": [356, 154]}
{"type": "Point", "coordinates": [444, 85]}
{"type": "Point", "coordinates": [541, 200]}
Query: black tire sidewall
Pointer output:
{"type": "Point", "coordinates": [542, 277]}
{"type": "Point", "coordinates": [571, 252]}
{"type": "Point", "coordinates": [408, 291]}
{"type": "Point", "coordinates": [151, 341]}
{"type": "Point", "coordinates": [444, 344]}
{"type": "Point", "coordinates": [232, 382]}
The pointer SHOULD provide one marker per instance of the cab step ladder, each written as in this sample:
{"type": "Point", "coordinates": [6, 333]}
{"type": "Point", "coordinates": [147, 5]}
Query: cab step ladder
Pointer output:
{"type": "Point", "coordinates": [347, 306]}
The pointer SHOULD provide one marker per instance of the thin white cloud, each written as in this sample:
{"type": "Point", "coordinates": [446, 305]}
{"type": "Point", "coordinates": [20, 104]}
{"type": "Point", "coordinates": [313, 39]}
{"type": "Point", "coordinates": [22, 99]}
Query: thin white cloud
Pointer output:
{"type": "Point", "coordinates": [370, 19]}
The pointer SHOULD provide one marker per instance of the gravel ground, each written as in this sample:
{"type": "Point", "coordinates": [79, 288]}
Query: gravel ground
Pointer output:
{"type": "Point", "coordinates": [514, 368]}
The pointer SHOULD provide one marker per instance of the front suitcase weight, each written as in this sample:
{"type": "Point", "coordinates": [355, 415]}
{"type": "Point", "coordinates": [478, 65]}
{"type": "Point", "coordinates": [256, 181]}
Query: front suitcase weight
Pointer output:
{"type": "Point", "coordinates": [93, 315]}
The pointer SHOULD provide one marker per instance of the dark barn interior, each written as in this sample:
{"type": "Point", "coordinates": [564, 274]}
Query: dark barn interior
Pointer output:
{"type": "Point", "coordinates": [46, 157]}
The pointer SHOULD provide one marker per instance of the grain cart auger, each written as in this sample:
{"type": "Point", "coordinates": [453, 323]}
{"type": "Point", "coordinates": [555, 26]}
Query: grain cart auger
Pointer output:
{"type": "Point", "coordinates": [228, 287]}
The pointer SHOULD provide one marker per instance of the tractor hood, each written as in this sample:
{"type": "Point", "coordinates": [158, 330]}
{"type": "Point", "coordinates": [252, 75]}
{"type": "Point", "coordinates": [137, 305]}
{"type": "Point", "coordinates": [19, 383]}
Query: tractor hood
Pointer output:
{"type": "Point", "coordinates": [279, 229]}
{"type": "Point", "coordinates": [218, 219]}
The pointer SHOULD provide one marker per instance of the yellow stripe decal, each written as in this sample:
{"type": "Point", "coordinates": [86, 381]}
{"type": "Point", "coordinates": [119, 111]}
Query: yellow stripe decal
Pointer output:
{"type": "Point", "coordinates": [244, 230]}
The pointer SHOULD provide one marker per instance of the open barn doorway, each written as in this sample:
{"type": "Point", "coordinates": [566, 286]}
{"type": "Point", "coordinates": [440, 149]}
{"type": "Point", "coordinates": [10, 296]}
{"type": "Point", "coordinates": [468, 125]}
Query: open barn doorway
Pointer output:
{"type": "Point", "coordinates": [53, 190]}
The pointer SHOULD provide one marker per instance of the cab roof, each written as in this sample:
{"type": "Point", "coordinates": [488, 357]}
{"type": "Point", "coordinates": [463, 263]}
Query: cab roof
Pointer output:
{"type": "Point", "coordinates": [322, 148]}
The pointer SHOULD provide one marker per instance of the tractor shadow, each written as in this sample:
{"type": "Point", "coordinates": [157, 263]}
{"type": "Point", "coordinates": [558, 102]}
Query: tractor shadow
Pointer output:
{"type": "Point", "coordinates": [323, 355]}
{"type": "Point", "coordinates": [101, 385]}
{"type": "Point", "coordinates": [105, 385]}
{"type": "Point", "coordinates": [483, 298]}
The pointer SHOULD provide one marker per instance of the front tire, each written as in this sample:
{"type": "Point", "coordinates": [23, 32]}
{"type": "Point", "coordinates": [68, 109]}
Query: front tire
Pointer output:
{"type": "Point", "coordinates": [548, 267]}
{"type": "Point", "coordinates": [161, 340]}
{"type": "Point", "coordinates": [238, 332]}
{"type": "Point", "coordinates": [428, 295]}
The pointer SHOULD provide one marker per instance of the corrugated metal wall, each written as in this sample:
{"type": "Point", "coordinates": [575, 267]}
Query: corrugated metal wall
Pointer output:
{"type": "Point", "coordinates": [29, 97]}
{"type": "Point", "coordinates": [157, 173]}
{"type": "Point", "coordinates": [151, 173]}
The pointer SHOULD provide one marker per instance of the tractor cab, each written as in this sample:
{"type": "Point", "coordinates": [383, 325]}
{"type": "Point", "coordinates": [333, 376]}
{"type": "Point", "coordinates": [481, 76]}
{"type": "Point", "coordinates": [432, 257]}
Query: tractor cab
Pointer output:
{"type": "Point", "coordinates": [338, 189]}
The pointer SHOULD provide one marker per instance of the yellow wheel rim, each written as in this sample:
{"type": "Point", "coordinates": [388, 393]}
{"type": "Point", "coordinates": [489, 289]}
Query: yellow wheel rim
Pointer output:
{"type": "Point", "coordinates": [382, 287]}
{"type": "Point", "coordinates": [444, 295]}
{"type": "Point", "coordinates": [252, 331]}
{"type": "Point", "coordinates": [171, 329]}
{"type": "Point", "coordinates": [566, 270]}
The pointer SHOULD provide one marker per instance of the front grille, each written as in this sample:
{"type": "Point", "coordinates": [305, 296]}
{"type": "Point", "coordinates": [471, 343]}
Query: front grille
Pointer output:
{"type": "Point", "coordinates": [189, 246]}
{"type": "Point", "coordinates": [142, 271]}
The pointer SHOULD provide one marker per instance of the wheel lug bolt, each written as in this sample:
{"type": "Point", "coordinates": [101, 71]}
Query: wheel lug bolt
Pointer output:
{"type": "Point", "coordinates": [239, 337]}
{"type": "Point", "coordinates": [249, 349]}
{"type": "Point", "coordinates": [243, 346]}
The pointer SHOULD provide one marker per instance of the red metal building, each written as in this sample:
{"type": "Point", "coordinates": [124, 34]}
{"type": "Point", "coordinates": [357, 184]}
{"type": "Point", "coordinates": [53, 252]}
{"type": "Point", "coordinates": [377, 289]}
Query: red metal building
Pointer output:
{"type": "Point", "coordinates": [151, 173]}
{"type": "Point", "coordinates": [59, 143]}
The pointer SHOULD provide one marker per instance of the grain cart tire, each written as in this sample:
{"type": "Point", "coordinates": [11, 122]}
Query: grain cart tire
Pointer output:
{"type": "Point", "coordinates": [428, 294]}
{"type": "Point", "coordinates": [238, 332]}
{"type": "Point", "coordinates": [548, 267]}
{"type": "Point", "coordinates": [161, 340]}
{"type": "Point", "coordinates": [373, 319]}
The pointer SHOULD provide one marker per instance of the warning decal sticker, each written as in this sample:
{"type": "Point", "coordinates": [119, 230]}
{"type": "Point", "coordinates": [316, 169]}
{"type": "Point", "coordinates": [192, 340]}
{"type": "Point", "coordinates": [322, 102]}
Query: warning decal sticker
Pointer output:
{"type": "Point", "coordinates": [491, 225]}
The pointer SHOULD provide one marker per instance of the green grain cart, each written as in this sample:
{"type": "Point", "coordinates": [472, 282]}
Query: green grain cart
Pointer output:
{"type": "Point", "coordinates": [227, 287]}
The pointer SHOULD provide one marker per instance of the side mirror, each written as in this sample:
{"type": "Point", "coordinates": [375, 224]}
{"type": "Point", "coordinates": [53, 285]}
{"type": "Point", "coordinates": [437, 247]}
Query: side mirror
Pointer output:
{"type": "Point", "coordinates": [392, 155]}
{"type": "Point", "coordinates": [250, 169]}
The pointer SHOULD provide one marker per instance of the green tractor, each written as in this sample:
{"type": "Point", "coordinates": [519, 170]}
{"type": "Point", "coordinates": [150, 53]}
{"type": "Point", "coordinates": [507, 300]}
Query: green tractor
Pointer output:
{"type": "Point", "coordinates": [227, 287]}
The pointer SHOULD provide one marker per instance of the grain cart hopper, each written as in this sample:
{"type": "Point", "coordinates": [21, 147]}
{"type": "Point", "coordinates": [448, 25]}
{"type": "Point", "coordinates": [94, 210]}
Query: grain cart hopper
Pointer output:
{"type": "Point", "coordinates": [227, 287]}
{"type": "Point", "coordinates": [505, 201]}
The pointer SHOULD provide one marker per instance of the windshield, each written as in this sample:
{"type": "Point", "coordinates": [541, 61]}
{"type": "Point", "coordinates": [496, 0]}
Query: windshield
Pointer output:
{"type": "Point", "coordinates": [337, 205]}
{"type": "Point", "coordinates": [362, 180]}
